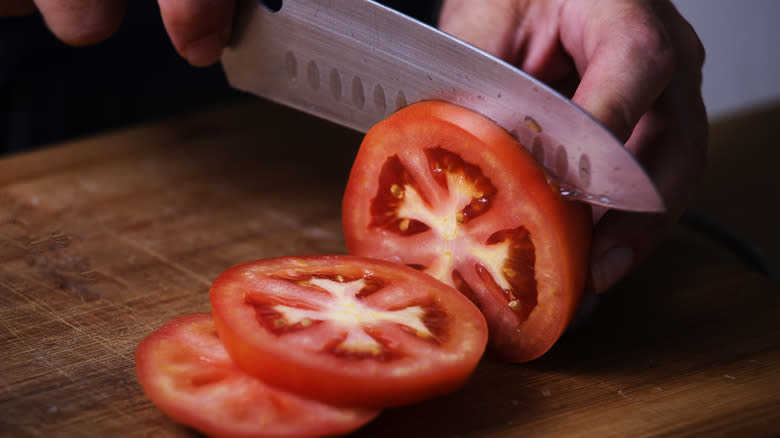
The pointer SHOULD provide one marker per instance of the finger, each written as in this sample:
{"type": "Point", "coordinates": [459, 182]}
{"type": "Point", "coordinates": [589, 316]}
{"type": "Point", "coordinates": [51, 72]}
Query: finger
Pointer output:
{"type": "Point", "coordinates": [82, 22]}
{"type": "Point", "coordinates": [622, 240]}
{"type": "Point", "coordinates": [494, 27]}
{"type": "Point", "coordinates": [16, 8]}
{"type": "Point", "coordinates": [521, 33]}
{"type": "Point", "coordinates": [670, 141]}
{"type": "Point", "coordinates": [624, 56]}
{"type": "Point", "coordinates": [199, 29]}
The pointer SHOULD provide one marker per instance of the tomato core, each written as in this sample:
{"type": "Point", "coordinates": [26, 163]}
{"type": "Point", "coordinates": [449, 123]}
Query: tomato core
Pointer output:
{"type": "Point", "coordinates": [343, 304]}
{"type": "Point", "coordinates": [505, 260]}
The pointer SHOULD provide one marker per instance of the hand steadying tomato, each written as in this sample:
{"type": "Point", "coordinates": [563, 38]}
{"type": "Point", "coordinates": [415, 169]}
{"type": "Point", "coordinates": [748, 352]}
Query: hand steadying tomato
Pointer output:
{"type": "Point", "coordinates": [185, 370]}
{"type": "Point", "coordinates": [445, 190]}
{"type": "Point", "coordinates": [347, 330]}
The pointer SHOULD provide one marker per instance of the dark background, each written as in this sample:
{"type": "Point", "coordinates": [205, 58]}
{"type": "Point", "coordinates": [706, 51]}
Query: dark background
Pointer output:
{"type": "Point", "coordinates": [51, 92]}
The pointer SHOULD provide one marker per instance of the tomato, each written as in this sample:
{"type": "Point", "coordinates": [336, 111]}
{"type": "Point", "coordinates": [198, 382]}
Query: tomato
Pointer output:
{"type": "Point", "coordinates": [186, 372]}
{"type": "Point", "coordinates": [445, 190]}
{"type": "Point", "coordinates": [348, 330]}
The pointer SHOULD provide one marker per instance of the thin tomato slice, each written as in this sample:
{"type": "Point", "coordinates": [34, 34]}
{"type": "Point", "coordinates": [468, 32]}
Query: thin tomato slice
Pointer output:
{"type": "Point", "coordinates": [348, 330]}
{"type": "Point", "coordinates": [445, 190]}
{"type": "Point", "coordinates": [186, 372]}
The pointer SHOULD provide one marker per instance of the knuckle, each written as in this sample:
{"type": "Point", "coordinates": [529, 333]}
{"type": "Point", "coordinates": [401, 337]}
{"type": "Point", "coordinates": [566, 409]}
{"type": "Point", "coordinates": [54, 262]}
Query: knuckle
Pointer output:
{"type": "Point", "coordinates": [696, 52]}
{"type": "Point", "coordinates": [700, 54]}
{"type": "Point", "coordinates": [654, 43]}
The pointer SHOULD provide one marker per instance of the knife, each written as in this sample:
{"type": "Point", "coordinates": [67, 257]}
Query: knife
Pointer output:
{"type": "Point", "coordinates": [354, 62]}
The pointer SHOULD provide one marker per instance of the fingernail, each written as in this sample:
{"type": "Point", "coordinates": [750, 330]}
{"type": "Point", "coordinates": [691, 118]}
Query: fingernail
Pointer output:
{"type": "Point", "coordinates": [611, 267]}
{"type": "Point", "coordinates": [205, 51]}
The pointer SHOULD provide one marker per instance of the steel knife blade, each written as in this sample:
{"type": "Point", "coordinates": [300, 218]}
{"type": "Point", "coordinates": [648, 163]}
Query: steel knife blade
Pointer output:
{"type": "Point", "coordinates": [354, 62]}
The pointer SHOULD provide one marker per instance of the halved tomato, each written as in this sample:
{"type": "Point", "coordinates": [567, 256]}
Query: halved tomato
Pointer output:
{"type": "Point", "coordinates": [184, 369]}
{"type": "Point", "coordinates": [445, 190]}
{"type": "Point", "coordinates": [348, 330]}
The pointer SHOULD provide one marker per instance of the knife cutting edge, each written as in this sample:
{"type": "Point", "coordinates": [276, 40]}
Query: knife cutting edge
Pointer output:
{"type": "Point", "coordinates": [354, 62]}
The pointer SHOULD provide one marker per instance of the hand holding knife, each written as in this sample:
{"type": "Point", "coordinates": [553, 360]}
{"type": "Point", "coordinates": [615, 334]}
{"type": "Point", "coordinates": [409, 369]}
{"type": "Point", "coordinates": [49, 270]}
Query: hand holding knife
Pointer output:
{"type": "Point", "coordinates": [637, 65]}
{"type": "Point", "coordinates": [355, 61]}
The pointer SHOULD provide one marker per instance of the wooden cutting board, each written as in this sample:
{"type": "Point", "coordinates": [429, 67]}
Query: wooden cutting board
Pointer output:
{"type": "Point", "coordinates": [104, 239]}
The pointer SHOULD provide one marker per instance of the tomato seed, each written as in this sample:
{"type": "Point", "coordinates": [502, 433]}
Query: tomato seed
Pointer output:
{"type": "Point", "coordinates": [516, 305]}
{"type": "Point", "coordinates": [397, 191]}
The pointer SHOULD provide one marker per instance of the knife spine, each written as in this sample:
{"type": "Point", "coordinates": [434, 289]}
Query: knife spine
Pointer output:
{"type": "Point", "coordinates": [323, 64]}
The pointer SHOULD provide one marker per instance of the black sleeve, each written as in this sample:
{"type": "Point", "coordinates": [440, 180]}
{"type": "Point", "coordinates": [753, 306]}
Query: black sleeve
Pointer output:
{"type": "Point", "coordinates": [51, 92]}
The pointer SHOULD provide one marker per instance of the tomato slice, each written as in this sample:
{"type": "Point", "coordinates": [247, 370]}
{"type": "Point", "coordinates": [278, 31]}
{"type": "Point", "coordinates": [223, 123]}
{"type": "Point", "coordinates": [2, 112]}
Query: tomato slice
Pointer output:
{"type": "Point", "coordinates": [445, 190]}
{"type": "Point", "coordinates": [348, 330]}
{"type": "Point", "coordinates": [186, 372]}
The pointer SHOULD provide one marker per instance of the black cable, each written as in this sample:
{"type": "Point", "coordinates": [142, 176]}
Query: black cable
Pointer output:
{"type": "Point", "coordinates": [750, 253]}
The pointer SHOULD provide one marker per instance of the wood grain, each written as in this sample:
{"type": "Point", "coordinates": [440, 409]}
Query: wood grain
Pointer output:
{"type": "Point", "coordinates": [105, 239]}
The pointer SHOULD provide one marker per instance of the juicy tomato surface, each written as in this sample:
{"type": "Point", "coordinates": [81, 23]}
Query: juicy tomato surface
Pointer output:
{"type": "Point", "coordinates": [184, 369]}
{"type": "Point", "coordinates": [445, 190]}
{"type": "Point", "coordinates": [348, 330]}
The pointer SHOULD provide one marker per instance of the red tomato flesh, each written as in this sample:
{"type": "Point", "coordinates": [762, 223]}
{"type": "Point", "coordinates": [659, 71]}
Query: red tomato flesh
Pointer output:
{"type": "Point", "coordinates": [447, 191]}
{"type": "Point", "coordinates": [185, 370]}
{"type": "Point", "coordinates": [348, 330]}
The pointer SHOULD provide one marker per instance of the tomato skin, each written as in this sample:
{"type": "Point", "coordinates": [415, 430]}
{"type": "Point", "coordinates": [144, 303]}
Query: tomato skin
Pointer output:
{"type": "Point", "coordinates": [404, 369]}
{"type": "Point", "coordinates": [522, 200]}
{"type": "Point", "coordinates": [184, 369]}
